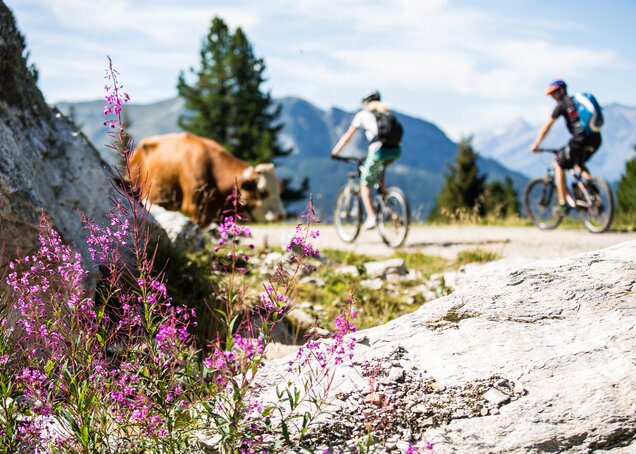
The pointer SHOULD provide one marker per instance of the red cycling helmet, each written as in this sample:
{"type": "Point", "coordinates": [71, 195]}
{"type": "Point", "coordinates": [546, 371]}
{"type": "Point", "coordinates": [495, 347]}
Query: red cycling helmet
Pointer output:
{"type": "Point", "coordinates": [554, 86]}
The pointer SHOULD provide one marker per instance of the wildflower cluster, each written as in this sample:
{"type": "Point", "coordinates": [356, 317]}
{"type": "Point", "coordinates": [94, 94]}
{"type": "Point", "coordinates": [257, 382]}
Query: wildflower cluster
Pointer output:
{"type": "Point", "coordinates": [116, 368]}
{"type": "Point", "coordinates": [339, 350]}
{"type": "Point", "coordinates": [110, 362]}
{"type": "Point", "coordinates": [115, 97]}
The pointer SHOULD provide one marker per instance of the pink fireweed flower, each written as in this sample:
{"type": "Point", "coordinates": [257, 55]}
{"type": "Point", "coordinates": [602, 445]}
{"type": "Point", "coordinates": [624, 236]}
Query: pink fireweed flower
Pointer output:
{"type": "Point", "coordinates": [115, 97]}
{"type": "Point", "coordinates": [338, 349]}
{"type": "Point", "coordinates": [229, 230]}
{"type": "Point", "coordinates": [172, 334]}
{"type": "Point", "coordinates": [249, 347]}
{"type": "Point", "coordinates": [273, 301]}
{"type": "Point", "coordinates": [300, 243]}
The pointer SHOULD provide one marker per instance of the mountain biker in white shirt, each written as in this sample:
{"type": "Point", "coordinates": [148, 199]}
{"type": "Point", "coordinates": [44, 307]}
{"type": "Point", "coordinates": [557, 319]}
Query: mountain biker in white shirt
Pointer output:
{"type": "Point", "coordinates": [379, 156]}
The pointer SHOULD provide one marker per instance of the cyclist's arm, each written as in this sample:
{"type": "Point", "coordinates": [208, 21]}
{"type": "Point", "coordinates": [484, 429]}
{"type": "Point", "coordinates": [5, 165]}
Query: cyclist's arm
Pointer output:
{"type": "Point", "coordinates": [542, 133]}
{"type": "Point", "coordinates": [346, 137]}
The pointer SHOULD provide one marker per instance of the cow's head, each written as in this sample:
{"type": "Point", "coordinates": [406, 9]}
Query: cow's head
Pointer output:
{"type": "Point", "coordinates": [261, 191]}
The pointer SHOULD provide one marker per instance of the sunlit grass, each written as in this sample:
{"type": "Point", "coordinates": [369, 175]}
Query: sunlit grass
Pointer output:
{"type": "Point", "coordinates": [476, 256]}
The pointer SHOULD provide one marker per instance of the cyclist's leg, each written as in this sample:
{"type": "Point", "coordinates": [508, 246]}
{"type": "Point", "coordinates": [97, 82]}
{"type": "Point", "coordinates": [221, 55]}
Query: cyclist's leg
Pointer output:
{"type": "Point", "coordinates": [563, 161]}
{"type": "Point", "coordinates": [589, 146]}
{"type": "Point", "coordinates": [387, 157]}
{"type": "Point", "coordinates": [369, 174]}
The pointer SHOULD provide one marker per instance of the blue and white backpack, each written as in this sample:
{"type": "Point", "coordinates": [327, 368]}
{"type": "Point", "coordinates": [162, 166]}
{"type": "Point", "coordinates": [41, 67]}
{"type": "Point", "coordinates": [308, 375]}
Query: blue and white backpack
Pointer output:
{"type": "Point", "coordinates": [590, 112]}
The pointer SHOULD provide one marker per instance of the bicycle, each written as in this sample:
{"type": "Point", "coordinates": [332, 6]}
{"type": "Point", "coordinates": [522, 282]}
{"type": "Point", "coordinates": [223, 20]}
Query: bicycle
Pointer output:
{"type": "Point", "coordinates": [391, 207]}
{"type": "Point", "coordinates": [592, 200]}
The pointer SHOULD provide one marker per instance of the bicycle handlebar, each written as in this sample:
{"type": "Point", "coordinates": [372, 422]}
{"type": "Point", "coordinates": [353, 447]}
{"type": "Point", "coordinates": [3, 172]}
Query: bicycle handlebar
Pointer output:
{"type": "Point", "coordinates": [547, 150]}
{"type": "Point", "coordinates": [347, 158]}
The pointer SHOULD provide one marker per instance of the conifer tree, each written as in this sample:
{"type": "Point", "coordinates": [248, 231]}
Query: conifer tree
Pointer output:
{"type": "Point", "coordinates": [225, 101]}
{"type": "Point", "coordinates": [463, 186]}
{"type": "Point", "coordinates": [500, 200]}
{"type": "Point", "coordinates": [626, 191]}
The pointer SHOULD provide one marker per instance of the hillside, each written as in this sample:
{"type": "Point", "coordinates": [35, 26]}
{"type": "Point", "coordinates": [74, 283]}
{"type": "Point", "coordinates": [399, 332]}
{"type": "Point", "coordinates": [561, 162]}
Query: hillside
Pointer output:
{"type": "Point", "coordinates": [311, 133]}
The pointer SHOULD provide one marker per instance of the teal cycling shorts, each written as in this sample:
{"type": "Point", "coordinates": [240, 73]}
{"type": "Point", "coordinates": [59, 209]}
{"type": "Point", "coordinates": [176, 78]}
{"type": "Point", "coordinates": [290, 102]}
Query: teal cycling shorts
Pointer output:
{"type": "Point", "coordinates": [375, 164]}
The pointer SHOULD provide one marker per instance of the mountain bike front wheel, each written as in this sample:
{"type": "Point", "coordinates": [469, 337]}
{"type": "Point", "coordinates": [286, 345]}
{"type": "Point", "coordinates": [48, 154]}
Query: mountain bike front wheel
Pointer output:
{"type": "Point", "coordinates": [541, 203]}
{"type": "Point", "coordinates": [347, 215]}
{"type": "Point", "coordinates": [394, 217]}
{"type": "Point", "coordinates": [597, 217]}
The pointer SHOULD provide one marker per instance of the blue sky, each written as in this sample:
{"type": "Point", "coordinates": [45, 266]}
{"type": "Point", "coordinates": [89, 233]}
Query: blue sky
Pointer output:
{"type": "Point", "coordinates": [464, 65]}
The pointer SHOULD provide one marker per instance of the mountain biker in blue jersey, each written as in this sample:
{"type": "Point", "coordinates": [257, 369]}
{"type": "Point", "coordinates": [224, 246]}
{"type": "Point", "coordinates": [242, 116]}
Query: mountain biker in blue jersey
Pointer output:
{"type": "Point", "coordinates": [580, 148]}
{"type": "Point", "coordinates": [379, 156]}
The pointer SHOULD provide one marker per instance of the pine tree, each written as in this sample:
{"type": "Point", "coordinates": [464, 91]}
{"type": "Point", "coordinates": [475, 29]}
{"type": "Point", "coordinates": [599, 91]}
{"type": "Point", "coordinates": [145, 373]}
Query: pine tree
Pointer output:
{"type": "Point", "coordinates": [500, 200]}
{"type": "Point", "coordinates": [626, 192]}
{"type": "Point", "coordinates": [463, 186]}
{"type": "Point", "coordinates": [226, 102]}
{"type": "Point", "coordinates": [511, 196]}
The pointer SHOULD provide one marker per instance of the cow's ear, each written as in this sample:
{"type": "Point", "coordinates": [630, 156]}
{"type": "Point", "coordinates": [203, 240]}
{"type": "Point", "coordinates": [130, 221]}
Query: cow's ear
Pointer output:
{"type": "Point", "coordinates": [263, 168]}
{"type": "Point", "coordinates": [248, 185]}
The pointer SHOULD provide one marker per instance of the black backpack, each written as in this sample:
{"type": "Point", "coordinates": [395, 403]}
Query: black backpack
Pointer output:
{"type": "Point", "coordinates": [390, 130]}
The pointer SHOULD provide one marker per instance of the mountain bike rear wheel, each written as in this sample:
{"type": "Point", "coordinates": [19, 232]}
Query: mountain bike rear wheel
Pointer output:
{"type": "Point", "coordinates": [598, 216]}
{"type": "Point", "coordinates": [541, 202]}
{"type": "Point", "coordinates": [348, 214]}
{"type": "Point", "coordinates": [394, 217]}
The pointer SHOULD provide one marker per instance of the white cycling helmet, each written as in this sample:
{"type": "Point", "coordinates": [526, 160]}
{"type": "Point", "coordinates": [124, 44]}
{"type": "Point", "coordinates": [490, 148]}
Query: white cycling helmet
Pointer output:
{"type": "Point", "coordinates": [372, 96]}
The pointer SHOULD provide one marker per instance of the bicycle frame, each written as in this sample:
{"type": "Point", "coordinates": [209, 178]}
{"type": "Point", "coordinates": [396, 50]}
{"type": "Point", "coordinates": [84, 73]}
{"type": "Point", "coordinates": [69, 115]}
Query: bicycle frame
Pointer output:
{"type": "Point", "coordinates": [578, 182]}
{"type": "Point", "coordinates": [592, 199]}
{"type": "Point", "coordinates": [390, 205]}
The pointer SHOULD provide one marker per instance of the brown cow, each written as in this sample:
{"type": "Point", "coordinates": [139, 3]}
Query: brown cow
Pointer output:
{"type": "Point", "coordinates": [194, 175]}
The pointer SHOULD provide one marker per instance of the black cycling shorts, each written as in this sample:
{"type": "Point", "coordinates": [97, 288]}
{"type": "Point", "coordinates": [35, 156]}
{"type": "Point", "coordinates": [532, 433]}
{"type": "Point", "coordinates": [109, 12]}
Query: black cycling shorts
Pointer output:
{"type": "Point", "coordinates": [578, 151]}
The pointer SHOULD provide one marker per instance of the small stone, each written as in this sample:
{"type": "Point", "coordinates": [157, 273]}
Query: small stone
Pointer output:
{"type": "Point", "coordinates": [372, 284]}
{"type": "Point", "coordinates": [484, 411]}
{"type": "Point", "coordinates": [519, 389]}
{"type": "Point", "coordinates": [396, 374]}
{"type": "Point", "coordinates": [419, 409]}
{"type": "Point", "coordinates": [427, 422]}
{"type": "Point", "coordinates": [496, 397]}
{"type": "Point", "coordinates": [375, 398]}
{"type": "Point", "coordinates": [386, 267]}
{"type": "Point", "coordinates": [406, 432]}
{"type": "Point", "coordinates": [348, 269]}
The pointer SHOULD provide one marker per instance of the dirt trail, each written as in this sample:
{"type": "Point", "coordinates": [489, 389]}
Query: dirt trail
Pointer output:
{"type": "Point", "coordinates": [527, 243]}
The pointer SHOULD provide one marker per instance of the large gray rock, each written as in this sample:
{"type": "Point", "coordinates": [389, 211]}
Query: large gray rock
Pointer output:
{"type": "Point", "coordinates": [182, 233]}
{"type": "Point", "coordinates": [44, 162]}
{"type": "Point", "coordinates": [540, 359]}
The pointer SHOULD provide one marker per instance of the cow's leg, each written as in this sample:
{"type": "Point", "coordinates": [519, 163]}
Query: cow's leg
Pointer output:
{"type": "Point", "coordinates": [208, 199]}
{"type": "Point", "coordinates": [195, 203]}
{"type": "Point", "coordinates": [189, 205]}
{"type": "Point", "coordinates": [166, 195]}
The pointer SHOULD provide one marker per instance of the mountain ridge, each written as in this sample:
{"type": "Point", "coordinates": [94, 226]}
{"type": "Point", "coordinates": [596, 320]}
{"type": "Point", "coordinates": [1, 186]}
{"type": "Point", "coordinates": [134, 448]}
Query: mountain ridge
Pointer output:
{"type": "Point", "coordinates": [311, 132]}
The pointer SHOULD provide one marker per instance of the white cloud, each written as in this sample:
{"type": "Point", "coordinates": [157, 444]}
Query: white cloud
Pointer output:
{"type": "Point", "coordinates": [328, 51]}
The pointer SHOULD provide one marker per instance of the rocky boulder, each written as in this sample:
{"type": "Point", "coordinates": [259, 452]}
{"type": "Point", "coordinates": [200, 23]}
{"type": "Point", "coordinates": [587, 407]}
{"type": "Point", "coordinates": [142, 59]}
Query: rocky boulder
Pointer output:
{"type": "Point", "coordinates": [540, 359]}
{"type": "Point", "coordinates": [45, 163]}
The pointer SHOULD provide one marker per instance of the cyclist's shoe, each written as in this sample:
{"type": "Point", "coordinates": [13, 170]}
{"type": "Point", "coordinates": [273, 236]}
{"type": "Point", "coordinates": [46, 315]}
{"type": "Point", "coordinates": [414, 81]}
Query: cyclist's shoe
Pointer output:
{"type": "Point", "coordinates": [370, 223]}
{"type": "Point", "coordinates": [560, 210]}
{"type": "Point", "coordinates": [569, 201]}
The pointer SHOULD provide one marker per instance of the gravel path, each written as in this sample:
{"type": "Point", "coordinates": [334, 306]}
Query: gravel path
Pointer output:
{"type": "Point", "coordinates": [518, 243]}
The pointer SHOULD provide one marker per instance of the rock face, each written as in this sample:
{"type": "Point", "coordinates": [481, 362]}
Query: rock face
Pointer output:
{"type": "Point", "coordinates": [44, 161]}
{"type": "Point", "coordinates": [540, 359]}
